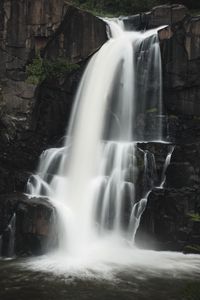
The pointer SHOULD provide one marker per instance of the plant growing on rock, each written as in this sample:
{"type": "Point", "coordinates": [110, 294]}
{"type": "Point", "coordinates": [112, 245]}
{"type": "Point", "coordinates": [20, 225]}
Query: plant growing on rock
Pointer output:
{"type": "Point", "coordinates": [42, 69]}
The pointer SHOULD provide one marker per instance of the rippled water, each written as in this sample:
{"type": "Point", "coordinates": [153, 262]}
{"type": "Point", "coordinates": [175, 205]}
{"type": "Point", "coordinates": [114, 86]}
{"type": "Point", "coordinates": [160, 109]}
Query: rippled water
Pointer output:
{"type": "Point", "coordinates": [151, 275]}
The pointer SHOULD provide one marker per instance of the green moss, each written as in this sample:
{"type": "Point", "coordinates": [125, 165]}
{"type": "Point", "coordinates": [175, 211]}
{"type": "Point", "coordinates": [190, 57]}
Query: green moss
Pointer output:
{"type": "Point", "coordinates": [196, 118]}
{"type": "Point", "coordinates": [194, 217]}
{"type": "Point", "coordinates": [152, 110]}
{"type": "Point", "coordinates": [173, 117]}
{"type": "Point", "coordinates": [192, 249]}
{"type": "Point", "coordinates": [194, 12]}
{"type": "Point", "coordinates": [41, 69]}
{"type": "Point", "coordinates": [116, 7]}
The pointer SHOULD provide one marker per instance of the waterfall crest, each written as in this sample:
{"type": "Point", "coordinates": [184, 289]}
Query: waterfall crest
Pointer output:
{"type": "Point", "coordinates": [91, 180]}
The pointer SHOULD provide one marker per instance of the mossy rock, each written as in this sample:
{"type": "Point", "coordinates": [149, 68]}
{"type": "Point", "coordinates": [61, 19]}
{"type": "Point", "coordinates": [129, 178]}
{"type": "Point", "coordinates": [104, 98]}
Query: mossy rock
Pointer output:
{"type": "Point", "coordinates": [193, 249]}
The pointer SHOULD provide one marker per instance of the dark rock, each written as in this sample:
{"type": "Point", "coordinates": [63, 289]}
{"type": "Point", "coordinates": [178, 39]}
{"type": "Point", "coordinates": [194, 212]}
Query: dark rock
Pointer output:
{"type": "Point", "coordinates": [158, 16]}
{"type": "Point", "coordinates": [184, 170]}
{"type": "Point", "coordinates": [170, 221]}
{"type": "Point", "coordinates": [167, 221]}
{"type": "Point", "coordinates": [160, 152]}
{"type": "Point", "coordinates": [167, 14]}
{"type": "Point", "coordinates": [33, 225]}
{"type": "Point", "coordinates": [181, 58]}
{"type": "Point", "coordinates": [175, 178]}
{"type": "Point", "coordinates": [79, 36]}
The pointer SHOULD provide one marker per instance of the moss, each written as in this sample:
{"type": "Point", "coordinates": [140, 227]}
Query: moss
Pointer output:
{"type": "Point", "coordinates": [151, 110]}
{"type": "Point", "coordinates": [194, 12]}
{"type": "Point", "coordinates": [41, 69]}
{"type": "Point", "coordinates": [116, 7]}
{"type": "Point", "coordinates": [192, 249]}
{"type": "Point", "coordinates": [196, 118]}
{"type": "Point", "coordinates": [173, 117]}
{"type": "Point", "coordinates": [194, 217]}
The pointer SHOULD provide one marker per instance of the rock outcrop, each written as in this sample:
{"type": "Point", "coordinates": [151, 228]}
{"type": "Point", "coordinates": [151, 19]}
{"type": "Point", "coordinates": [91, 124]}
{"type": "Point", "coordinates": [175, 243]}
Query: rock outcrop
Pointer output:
{"type": "Point", "coordinates": [171, 220]}
{"type": "Point", "coordinates": [26, 225]}
{"type": "Point", "coordinates": [158, 16]}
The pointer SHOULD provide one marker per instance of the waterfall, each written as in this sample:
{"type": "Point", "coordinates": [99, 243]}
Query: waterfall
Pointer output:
{"type": "Point", "coordinates": [166, 164]}
{"type": "Point", "coordinates": [11, 229]}
{"type": "Point", "coordinates": [91, 180]}
{"type": "Point", "coordinates": [1, 244]}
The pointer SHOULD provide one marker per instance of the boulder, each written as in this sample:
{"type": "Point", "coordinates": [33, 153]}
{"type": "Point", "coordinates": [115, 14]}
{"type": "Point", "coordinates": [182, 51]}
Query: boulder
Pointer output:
{"type": "Point", "coordinates": [26, 225]}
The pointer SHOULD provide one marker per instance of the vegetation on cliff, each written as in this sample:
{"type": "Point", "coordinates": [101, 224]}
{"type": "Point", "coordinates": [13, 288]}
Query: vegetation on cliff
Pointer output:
{"type": "Point", "coordinates": [128, 6]}
{"type": "Point", "coordinates": [41, 69]}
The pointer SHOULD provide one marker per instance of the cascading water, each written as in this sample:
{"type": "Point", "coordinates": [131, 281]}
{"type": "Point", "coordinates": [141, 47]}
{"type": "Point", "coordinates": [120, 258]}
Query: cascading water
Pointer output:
{"type": "Point", "coordinates": [11, 242]}
{"type": "Point", "coordinates": [91, 180]}
{"type": "Point", "coordinates": [1, 243]}
{"type": "Point", "coordinates": [167, 162]}
{"type": "Point", "coordinates": [93, 188]}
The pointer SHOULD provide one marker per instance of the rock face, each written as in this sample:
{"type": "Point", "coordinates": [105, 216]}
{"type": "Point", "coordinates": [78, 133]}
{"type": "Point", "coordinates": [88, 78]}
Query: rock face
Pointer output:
{"type": "Point", "coordinates": [33, 118]}
{"type": "Point", "coordinates": [181, 59]}
{"type": "Point", "coordinates": [172, 218]}
{"type": "Point", "coordinates": [168, 222]}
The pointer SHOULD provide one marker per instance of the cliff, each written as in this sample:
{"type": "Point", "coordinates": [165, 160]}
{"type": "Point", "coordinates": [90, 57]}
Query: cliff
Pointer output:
{"type": "Point", "coordinates": [34, 117]}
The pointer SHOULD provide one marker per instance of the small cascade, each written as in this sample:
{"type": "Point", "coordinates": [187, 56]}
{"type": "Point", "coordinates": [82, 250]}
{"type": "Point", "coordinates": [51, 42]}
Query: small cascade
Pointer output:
{"type": "Point", "coordinates": [1, 245]}
{"type": "Point", "coordinates": [166, 164]}
{"type": "Point", "coordinates": [40, 184]}
{"type": "Point", "coordinates": [91, 180]}
{"type": "Point", "coordinates": [149, 181]}
{"type": "Point", "coordinates": [150, 171]}
{"type": "Point", "coordinates": [136, 214]}
{"type": "Point", "coordinates": [11, 229]}
{"type": "Point", "coordinates": [116, 186]}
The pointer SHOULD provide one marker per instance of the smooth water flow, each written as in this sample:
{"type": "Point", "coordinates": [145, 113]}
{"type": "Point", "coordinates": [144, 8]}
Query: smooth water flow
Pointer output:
{"type": "Point", "coordinates": [92, 180]}
{"type": "Point", "coordinates": [167, 162]}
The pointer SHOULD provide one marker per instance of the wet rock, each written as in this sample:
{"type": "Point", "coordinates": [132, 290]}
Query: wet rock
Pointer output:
{"type": "Point", "coordinates": [167, 14]}
{"type": "Point", "coordinates": [171, 218]}
{"type": "Point", "coordinates": [34, 224]}
{"type": "Point", "coordinates": [158, 16]}
{"type": "Point", "coordinates": [175, 178]}
{"type": "Point", "coordinates": [184, 170]}
{"type": "Point", "coordinates": [79, 35]}
{"type": "Point", "coordinates": [160, 152]}
{"type": "Point", "coordinates": [181, 58]}
{"type": "Point", "coordinates": [167, 223]}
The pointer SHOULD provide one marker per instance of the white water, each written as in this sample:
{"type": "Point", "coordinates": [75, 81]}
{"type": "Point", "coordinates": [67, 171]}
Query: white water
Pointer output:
{"type": "Point", "coordinates": [91, 180]}
{"type": "Point", "coordinates": [167, 162]}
